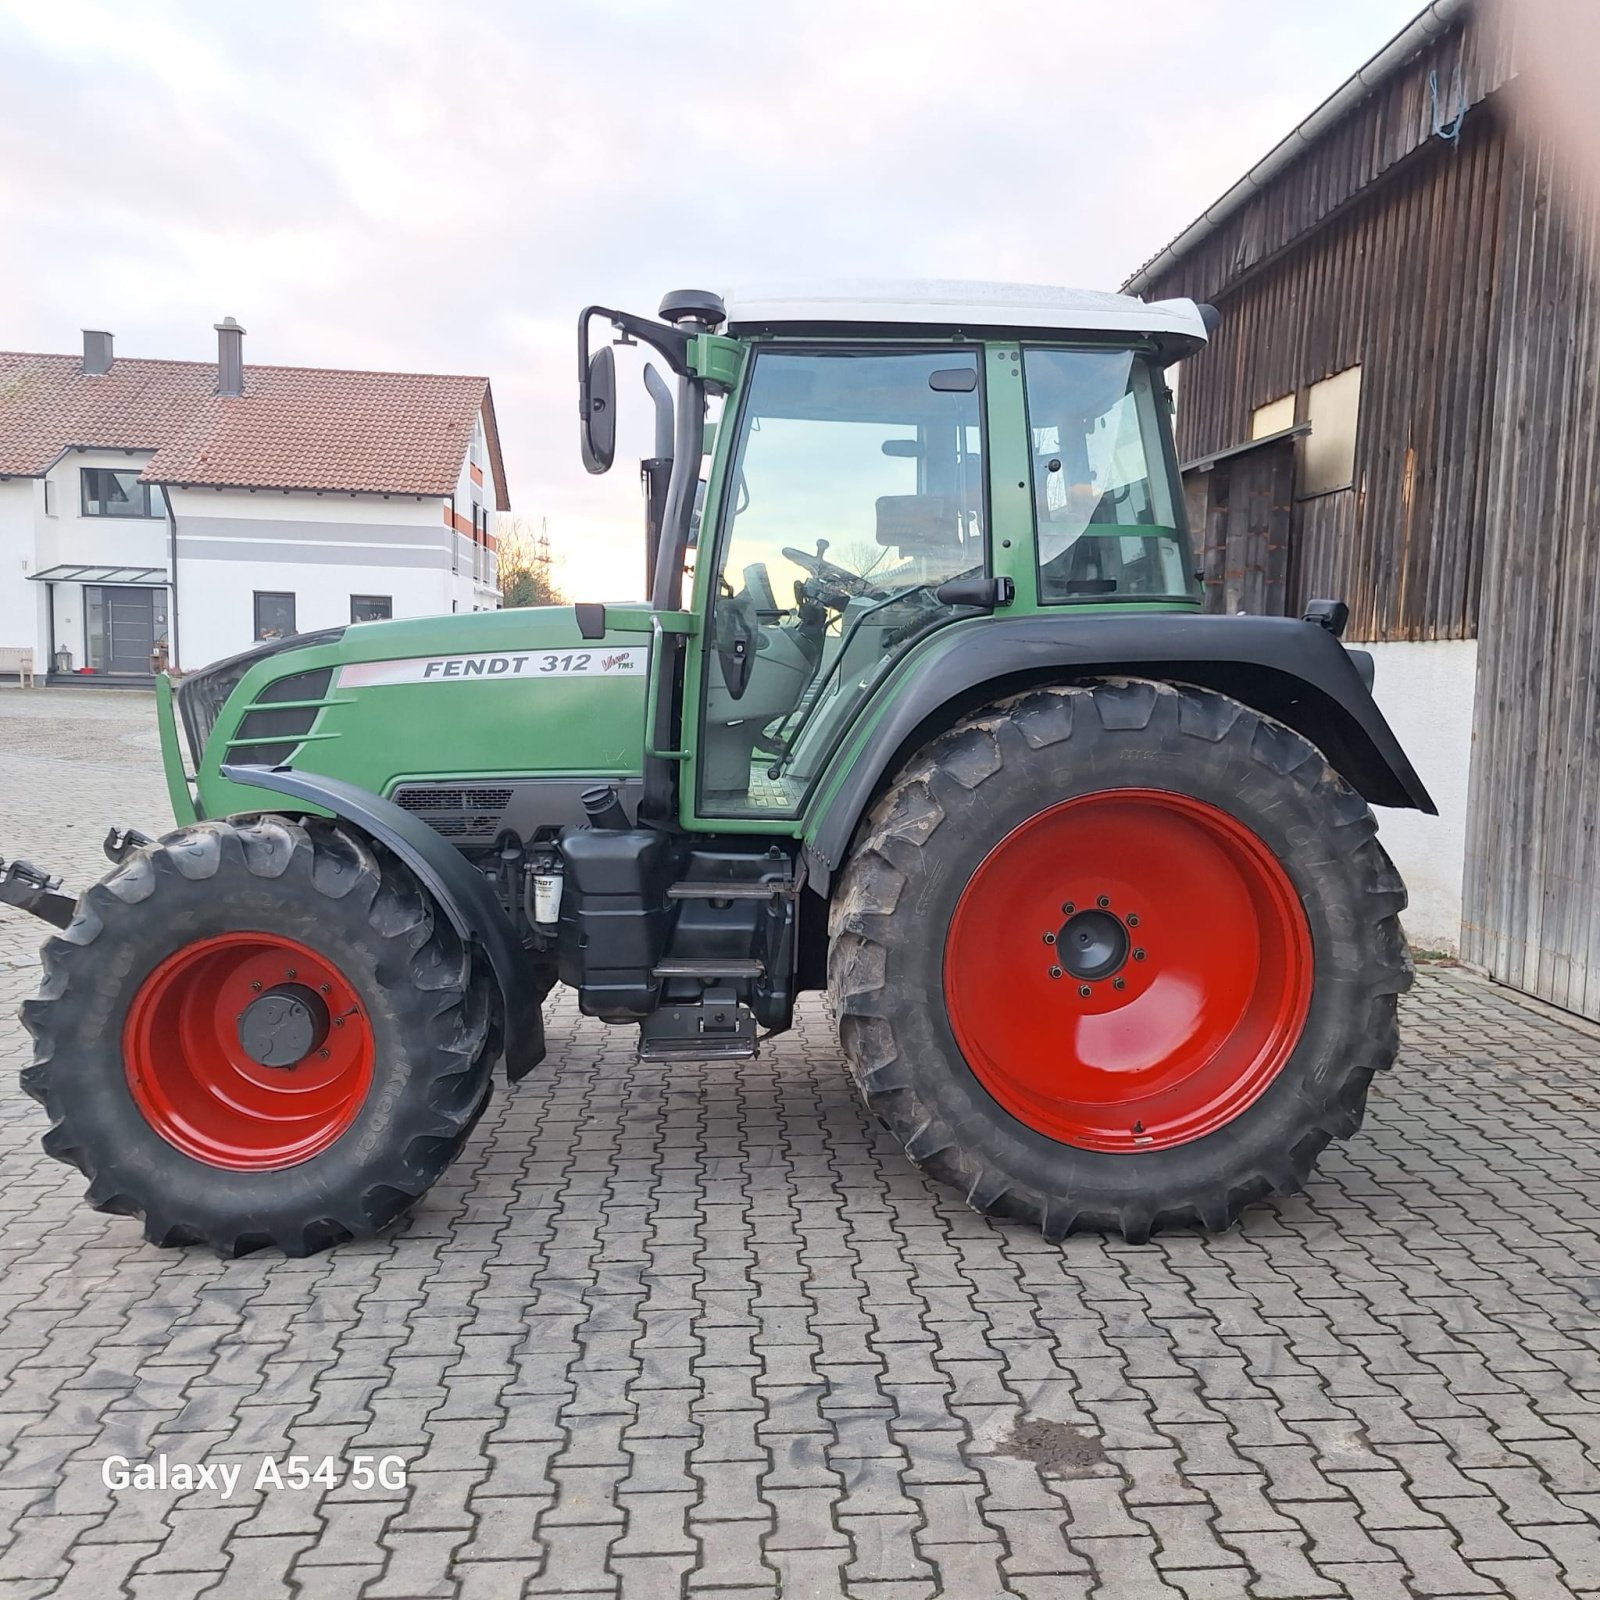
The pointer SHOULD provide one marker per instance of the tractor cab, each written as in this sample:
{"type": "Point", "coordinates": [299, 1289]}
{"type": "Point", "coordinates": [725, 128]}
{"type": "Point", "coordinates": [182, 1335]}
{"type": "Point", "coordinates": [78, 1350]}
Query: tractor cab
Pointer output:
{"type": "Point", "coordinates": [890, 460]}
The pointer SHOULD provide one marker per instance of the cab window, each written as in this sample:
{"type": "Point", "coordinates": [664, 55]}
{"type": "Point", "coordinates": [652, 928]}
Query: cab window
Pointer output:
{"type": "Point", "coordinates": [855, 490]}
{"type": "Point", "coordinates": [1109, 524]}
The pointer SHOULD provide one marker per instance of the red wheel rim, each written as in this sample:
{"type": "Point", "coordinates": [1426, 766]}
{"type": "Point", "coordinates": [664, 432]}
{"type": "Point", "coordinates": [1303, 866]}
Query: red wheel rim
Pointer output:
{"type": "Point", "coordinates": [196, 1083]}
{"type": "Point", "coordinates": [1180, 1034]}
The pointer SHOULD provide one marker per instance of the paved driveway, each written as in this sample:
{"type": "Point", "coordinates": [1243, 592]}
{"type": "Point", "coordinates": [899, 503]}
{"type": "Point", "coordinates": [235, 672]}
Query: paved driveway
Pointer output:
{"type": "Point", "coordinates": [704, 1332]}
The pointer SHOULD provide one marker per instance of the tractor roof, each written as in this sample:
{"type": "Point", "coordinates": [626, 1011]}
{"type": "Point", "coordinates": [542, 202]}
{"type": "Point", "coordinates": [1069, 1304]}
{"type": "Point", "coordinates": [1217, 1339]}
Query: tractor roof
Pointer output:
{"type": "Point", "coordinates": [952, 304]}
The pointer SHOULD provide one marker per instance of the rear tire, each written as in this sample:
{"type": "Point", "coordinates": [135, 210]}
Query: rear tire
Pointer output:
{"type": "Point", "coordinates": [1310, 895]}
{"type": "Point", "coordinates": [151, 1095]}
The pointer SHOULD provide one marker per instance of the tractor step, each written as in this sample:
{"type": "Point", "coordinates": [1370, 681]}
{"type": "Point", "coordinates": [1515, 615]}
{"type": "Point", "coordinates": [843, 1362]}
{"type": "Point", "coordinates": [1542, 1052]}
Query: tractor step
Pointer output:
{"type": "Point", "coordinates": [708, 969]}
{"type": "Point", "coordinates": [709, 889]}
{"type": "Point", "coordinates": [715, 1029]}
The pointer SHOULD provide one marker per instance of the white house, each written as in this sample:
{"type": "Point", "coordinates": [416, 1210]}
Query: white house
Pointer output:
{"type": "Point", "coordinates": [173, 512]}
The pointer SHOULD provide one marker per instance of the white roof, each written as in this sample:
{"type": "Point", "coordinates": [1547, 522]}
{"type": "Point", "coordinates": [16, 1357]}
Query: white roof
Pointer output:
{"type": "Point", "coordinates": [960, 304]}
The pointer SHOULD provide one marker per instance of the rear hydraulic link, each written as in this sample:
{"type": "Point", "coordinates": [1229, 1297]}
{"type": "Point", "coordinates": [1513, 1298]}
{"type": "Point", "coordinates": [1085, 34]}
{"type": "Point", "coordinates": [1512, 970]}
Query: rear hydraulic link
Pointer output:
{"type": "Point", "coordinates": [30, 888]}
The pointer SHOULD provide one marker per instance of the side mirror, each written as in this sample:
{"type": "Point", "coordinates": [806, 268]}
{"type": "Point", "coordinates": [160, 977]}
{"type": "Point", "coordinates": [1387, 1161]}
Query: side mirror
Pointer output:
{"type": "Point", "coordinates": [599, 411]}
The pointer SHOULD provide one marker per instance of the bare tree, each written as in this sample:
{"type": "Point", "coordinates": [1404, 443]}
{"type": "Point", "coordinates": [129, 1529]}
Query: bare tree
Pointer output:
{"type": "Point", "coordinates": [526, 567]}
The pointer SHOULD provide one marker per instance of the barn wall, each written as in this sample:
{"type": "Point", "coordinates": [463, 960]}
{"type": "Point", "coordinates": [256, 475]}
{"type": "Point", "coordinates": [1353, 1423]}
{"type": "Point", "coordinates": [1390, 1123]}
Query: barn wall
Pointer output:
{"type": "Point", "coordinates": [1401, 282]}
{"type": "Point", "coordinates": [1532, 913]}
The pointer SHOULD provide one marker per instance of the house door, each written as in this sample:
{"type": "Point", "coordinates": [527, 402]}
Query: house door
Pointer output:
{"type": "Point", "coordinates": [122, 624]}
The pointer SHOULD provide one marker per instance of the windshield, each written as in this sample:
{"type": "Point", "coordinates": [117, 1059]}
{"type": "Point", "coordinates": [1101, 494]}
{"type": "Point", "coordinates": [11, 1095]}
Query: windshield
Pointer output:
{"type": "Point", "coordinates": [1109, 523]}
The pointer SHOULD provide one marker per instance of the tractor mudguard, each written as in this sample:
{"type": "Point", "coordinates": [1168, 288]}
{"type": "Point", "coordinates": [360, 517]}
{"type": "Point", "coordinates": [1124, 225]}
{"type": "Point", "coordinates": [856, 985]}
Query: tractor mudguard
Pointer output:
{"type": "Point", "coordinates": [1296, 672]}
{"type": "Point", "coordinates": [468, 901]}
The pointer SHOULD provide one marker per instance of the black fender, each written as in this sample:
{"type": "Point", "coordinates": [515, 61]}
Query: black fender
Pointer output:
{"type": "Point", "coordinates": [462, 892]}
{"type": "Point", "coordinates": [1296, 672]}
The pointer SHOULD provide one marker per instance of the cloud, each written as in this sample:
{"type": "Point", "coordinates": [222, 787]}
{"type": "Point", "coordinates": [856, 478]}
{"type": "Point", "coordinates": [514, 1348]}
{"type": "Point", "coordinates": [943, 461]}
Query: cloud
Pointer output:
{"type": "Point", "coordinates": [440, 187]}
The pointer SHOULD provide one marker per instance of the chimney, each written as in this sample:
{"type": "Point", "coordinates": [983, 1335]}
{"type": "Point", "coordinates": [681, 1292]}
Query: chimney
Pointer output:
{"type": "Point", "coordinates": [230, 357]}
{"type": "Point", "coordinates": [96, 352]}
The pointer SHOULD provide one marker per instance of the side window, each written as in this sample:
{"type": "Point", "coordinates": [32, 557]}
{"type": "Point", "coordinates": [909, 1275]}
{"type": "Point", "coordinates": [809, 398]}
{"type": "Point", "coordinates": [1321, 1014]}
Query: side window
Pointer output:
{"type": "Point", "coordinates": [856, 489]}
{"type": "Point", "coordinates": [1109, 523]}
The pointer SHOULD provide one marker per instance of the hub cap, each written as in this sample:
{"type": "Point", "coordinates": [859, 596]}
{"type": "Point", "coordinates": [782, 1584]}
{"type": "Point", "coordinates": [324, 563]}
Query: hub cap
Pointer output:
{"type": "Point", "coordinates": [247, 1051]}
{"type": "Point", "coordinates": [1128, 970]}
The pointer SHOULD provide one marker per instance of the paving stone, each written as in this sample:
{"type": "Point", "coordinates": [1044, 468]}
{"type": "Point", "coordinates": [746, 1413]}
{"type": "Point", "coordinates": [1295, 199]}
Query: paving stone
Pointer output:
{"type": "Point", "coordinates": [701, 1329]}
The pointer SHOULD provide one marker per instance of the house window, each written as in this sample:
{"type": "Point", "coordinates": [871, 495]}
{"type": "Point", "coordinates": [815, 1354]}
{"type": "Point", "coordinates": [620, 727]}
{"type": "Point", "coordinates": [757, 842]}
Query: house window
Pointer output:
{"type": "Point", "coordinates": [1272, 418]}
{"type": "Point", "coordinates": [49, 498]}
{"type": "Point", "coordinates": [274, 615]}
{"type": "Point", "coordinates": [1328, 452]}
{"type": "Point", "coordinates": [371, 607]}
{"type": "Point", "coordinates": [111, 493]}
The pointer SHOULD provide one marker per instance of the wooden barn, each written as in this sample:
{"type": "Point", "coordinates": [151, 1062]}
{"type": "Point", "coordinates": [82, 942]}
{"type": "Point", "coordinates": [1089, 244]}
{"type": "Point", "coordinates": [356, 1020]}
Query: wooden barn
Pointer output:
{"type": "Point", "coordinates": [1398, 409]}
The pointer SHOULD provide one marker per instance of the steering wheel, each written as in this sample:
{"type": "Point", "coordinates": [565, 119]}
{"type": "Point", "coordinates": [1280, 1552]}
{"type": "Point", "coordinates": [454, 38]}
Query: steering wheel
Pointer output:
{"type": "Point", "coordinates": [837, 577]}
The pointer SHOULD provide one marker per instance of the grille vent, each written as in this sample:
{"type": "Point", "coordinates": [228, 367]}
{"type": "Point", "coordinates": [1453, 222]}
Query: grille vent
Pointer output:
{"type": "Point", "coordinates": [469, 814]}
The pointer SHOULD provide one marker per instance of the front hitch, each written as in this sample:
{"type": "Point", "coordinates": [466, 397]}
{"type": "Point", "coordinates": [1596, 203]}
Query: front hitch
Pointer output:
{"type": "Point", "coordinates": [30, 888]}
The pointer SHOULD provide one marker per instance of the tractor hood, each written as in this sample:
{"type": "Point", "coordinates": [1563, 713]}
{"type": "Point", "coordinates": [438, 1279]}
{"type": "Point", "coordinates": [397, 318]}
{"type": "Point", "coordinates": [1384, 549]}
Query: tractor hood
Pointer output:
{"type": "Point", "coordinates": [516, 693]}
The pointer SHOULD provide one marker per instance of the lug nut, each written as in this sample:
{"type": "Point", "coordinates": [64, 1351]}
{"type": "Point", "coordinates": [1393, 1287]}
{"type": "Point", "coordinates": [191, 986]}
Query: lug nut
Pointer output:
{"type": "Point", "coordinates": [322, 988]}
{"type": "Point", "coordinates": [1138, 955]}
{"type": "Point", "coordinates": [256, 987]}
{"type": "Point", "coordinates": [1066, 908]}
{"type": "Point", "coordinates": [1119, 983]}
{"type": "Point", "coordinates": [1055, 972]}
{"type": "Point", "coordinates": [1132, 919]}
{"type": "Point", "coordinates": [322, 1055]}
{"type": "Point", "coordinates": [338, 1022]}
{"type": "Point", "coordinates": [1049, 938]}
{"type": "Point", "coordinates": [291, 973]}
{"type": "Point", "coordinates": [1084, 991]}
{"type": "Point", "coordinates": [1103, 901]}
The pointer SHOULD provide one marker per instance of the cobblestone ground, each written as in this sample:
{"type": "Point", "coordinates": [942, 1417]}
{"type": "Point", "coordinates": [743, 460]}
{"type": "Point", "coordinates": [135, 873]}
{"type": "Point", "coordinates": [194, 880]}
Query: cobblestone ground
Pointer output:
{"type": "Point", "coordinates": [705, 1332]}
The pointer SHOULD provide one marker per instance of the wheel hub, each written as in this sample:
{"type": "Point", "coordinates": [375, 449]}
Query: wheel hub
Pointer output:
{"type": "Point", "coordinates": [1128, 970]}
{"type": "Point", "coordinates": [1092, 945]}
{"type": "Point", "coordinates": [283, 1026]}
{"type": "Point", "coordinates": [248, 1051]}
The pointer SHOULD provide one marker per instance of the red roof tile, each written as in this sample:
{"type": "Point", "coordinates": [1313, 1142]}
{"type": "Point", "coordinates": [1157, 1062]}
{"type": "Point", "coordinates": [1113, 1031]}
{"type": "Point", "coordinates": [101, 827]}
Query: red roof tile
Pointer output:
{"type": "Point", "coordinates": [292, 428]}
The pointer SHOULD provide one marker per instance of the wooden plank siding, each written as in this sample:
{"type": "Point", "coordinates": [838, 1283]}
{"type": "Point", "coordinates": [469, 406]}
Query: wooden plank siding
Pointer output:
{"type": "Point", "coordinates": [1402, 283]}
{"type": "Point", "coordinates": [1532, 893]}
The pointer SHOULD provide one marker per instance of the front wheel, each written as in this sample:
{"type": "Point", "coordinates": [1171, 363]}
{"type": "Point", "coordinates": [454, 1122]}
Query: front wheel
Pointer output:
{"type": "Point", "coordinates": [259, 1033]}
{"type": "Point", "coordinates": [1168, 968]}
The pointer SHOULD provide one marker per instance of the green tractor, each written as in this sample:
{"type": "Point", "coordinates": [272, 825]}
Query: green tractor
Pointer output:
{"type": "Point", "coordinates": [922, 711]}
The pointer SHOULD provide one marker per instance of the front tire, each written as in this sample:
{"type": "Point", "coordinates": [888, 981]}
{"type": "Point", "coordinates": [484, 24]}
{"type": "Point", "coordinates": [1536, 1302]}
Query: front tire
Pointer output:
{"type": "Point", "coordinates": [1167, 962]}
{"type": "Point", "coordinates": [257, 1033]}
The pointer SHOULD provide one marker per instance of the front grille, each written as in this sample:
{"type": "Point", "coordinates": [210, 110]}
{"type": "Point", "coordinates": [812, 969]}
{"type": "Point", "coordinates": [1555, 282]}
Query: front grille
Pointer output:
{"type": "Point", "coordinates": [469, 814]}
{"type": "Point", "coordinates": [201, 695]}
{"type": "Point", "coordinates": [286, 724]}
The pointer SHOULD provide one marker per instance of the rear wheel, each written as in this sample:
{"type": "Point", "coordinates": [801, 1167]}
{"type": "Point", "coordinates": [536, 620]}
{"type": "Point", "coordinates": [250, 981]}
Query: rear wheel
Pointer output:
{"type": "Point", "coordinates": [1170, 965]}
{"type": "Point", "coordinates": [257, 1032]}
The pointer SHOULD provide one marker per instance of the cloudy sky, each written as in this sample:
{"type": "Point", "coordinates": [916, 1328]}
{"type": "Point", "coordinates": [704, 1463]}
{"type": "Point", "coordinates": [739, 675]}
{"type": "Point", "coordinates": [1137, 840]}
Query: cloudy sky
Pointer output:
{"type": "Point", "coordinates": [440, 186]}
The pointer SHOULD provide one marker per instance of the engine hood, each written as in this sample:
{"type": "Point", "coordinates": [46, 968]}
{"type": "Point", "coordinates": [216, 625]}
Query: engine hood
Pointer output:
{"type": "Point", "coordinates": [516, 693]}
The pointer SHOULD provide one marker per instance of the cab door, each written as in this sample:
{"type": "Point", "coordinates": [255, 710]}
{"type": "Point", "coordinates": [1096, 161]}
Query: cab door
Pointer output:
{"type": "Point", "coordinates": [853, 489]}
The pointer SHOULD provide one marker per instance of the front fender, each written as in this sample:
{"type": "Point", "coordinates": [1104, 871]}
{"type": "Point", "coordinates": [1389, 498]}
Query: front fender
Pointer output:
{"type": "Point", "coordinates": [1296, 672]}
{"type": "Point", "coordinates": [462, 892]}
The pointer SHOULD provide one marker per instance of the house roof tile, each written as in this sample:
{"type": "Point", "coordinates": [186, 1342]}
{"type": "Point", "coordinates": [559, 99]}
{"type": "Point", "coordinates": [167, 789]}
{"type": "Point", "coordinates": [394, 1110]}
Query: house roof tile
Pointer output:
{"type": "Point", "coordinates": [292, 428]}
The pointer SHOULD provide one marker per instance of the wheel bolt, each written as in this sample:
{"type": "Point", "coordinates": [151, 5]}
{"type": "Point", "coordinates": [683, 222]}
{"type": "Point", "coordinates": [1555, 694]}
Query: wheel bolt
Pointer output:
{"type": "Point", "coordinates": [338, 1022]}
{"type": "Point", "coordinates": [322, 988]}
{"type": "Point", "coordinates": [1055, 972]}
{"type": "Point", "coordinates": [1103, 901]}
{"type": "Point", "coordinates": [1119, 983]}
{"type": "Point", "coordinates": [1066, 908]}
{"type": "Point", "coordinates": [256, 987]}
{"type": "Point", "coordinates": [1084, 991]}
{"type": "Point", "coordinates": [290, 973]}
{"type": "Point", "coordinates": [1132, 919]}
{"type": "Point", "coordinates": [1049, 938]}
{"type": "Point", "coordinates": [322, 1055]}
{"type": "Point", "coordinates": [1138, 955]}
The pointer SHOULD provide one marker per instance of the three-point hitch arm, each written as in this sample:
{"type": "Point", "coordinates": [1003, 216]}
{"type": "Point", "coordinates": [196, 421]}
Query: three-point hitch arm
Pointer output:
{"type": "Point", "coordinates": [30, 888]}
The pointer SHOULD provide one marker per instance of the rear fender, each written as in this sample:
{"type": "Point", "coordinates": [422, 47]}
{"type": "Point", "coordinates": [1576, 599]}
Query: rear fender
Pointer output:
{"type": "Point", "coordinates": [1295, 672]}
{"type": "Point", "coordinates": [462, 892]}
